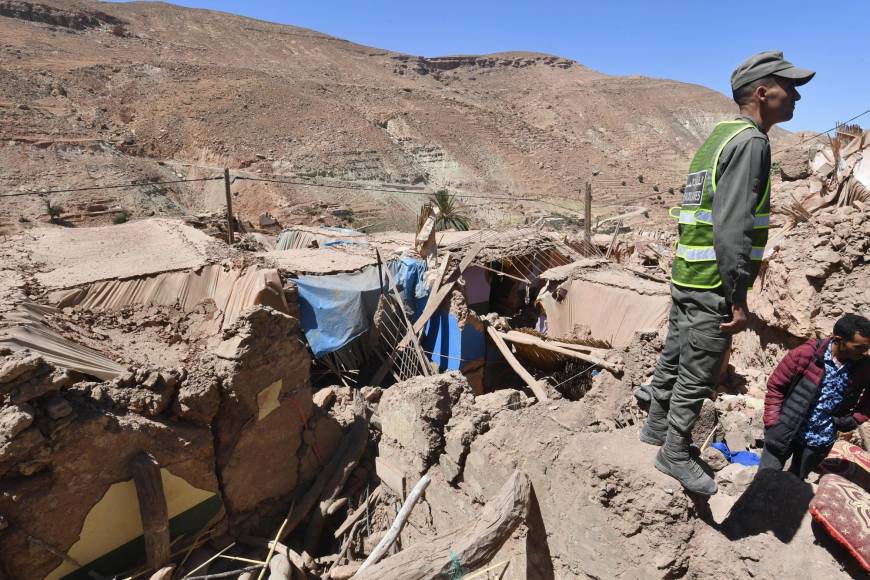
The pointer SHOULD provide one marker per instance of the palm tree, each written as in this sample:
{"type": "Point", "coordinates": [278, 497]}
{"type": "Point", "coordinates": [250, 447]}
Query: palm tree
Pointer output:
{"type": "Point", "coordinates": [450, 215]}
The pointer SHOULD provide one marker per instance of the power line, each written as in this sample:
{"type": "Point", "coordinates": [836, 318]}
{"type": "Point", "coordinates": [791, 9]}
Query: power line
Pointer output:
{"type": "Point", "coordinates": [817, 135]}
{"type": "Point", "coordinates": [118, 186]}
{"type": "Point", "coordinates": [403, 191]}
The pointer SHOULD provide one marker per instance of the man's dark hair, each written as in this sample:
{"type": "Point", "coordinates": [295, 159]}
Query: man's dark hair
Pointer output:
{"type": "Point", "coordinates": [743, 95]}
{"type": "Point", "coordinates": [849, 324]}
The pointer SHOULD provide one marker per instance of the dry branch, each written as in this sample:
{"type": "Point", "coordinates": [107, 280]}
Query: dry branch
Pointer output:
{"type": "Point", "coordinates": [360, 511]}
{"type": "Point", "coordinates": [398, 523]}
{"type": "Point", "coordinates": [473, 546]}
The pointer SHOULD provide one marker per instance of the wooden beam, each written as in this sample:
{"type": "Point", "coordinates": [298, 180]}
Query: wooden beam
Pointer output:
{"type": "Point", "coordinates": [517, 336]}
{"type": "Point", "coordinates": [152, 509]}
{"type": "Point", "coordinates": [587, 214]}
{"type": "Point", "coordinates": [493, 270]}
{"type": "Point", "coordinates": [528, 339]}
{"type": "Point", "coordinates": [535, 385]}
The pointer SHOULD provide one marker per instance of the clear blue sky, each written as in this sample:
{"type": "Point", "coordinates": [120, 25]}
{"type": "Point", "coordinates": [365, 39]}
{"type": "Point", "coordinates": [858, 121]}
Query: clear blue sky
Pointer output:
{"type": "Point", "coordinates": [692, 41]}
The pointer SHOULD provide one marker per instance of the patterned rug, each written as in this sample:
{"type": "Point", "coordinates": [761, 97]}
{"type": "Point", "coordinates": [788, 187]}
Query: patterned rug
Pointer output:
{"type": "Point", "coordinates": [842, 503]}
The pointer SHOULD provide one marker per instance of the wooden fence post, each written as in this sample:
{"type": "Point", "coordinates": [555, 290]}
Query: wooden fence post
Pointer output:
{"type": "Point", "coordinates": [587, 213]}
{"type": "Point", "coordinates": [153, 509]}
{"type": "Point", "coordinates": [230, 236]}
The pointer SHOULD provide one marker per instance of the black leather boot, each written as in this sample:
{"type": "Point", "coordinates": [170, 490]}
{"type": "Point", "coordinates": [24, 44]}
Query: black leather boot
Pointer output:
{"type": "Point", "coordinates": [674, 459]}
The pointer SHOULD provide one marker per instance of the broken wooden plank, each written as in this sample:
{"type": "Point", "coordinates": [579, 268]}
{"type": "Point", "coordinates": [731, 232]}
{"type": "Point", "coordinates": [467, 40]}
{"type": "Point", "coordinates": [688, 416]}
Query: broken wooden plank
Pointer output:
{"type": "Point", "coordinates": [472, 547]}
{"type": "Point", "coordinates": [152, 509]}
{"type": "Point", "coordinates": [398, 524]}
{"type": "Point", "coordinates": [528, 339]}
{"type": "Point", "coordinates": [436, 283]}
{"type": "Point", "coordinates": [164, 573]}
{"type": "Point", "coordinates": [535, 385]}
{"type": "Point", "coordinates": [358, 513]}
{"type": "Point", "coordinates": [510, 335]}
{"type": "Point", "coordinates": [613, 240]}
{"type": "Point", "coordinates": [500, 273]}
{"type": "Point", "coordinates": [432, 304]}
{"type": "Point", "coordinates": [470, 255]}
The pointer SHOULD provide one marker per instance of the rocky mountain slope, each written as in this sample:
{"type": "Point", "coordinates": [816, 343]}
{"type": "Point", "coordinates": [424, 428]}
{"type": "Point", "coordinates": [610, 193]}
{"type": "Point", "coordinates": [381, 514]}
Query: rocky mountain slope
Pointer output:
{"type": "Point", "coordinates": [93, 93]}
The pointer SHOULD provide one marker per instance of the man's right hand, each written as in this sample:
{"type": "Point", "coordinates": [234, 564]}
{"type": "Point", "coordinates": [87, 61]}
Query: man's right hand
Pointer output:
{"type": "Point", "coordinates": [739, 319]}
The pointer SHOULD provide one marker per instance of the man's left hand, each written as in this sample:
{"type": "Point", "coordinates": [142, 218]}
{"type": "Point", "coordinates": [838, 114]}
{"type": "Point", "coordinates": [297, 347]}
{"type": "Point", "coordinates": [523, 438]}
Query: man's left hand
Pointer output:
{"type": "Point", "coordinates": [846, 423]}
{"type": "Point", "coordinates": [739, 319]}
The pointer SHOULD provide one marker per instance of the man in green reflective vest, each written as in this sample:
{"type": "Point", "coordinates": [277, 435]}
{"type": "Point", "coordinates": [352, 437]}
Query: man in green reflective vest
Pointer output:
{"type": "Point", "coordinates": [723, 223]}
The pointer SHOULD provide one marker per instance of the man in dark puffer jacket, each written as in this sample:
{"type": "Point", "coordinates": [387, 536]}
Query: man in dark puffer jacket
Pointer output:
{"type": "Point", "coordinates": [817, 390]}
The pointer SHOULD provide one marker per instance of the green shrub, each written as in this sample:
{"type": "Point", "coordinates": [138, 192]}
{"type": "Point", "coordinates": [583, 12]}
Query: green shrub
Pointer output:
{"type": "Point", "coordinates": [54, 210]}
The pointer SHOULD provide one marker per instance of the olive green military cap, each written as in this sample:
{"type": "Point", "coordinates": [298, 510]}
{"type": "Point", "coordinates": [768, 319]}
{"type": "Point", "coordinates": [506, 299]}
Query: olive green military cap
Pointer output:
{"type": "Point", "coordinates": [767, 63]}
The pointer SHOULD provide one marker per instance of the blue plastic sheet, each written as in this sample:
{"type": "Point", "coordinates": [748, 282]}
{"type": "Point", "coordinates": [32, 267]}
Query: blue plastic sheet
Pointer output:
{"type": "Point", "coordinates": [451, 345]}
{"type": "Point", "coordinates": [336, 309]}
{"type": "Point", "coordinates": [742, 457]}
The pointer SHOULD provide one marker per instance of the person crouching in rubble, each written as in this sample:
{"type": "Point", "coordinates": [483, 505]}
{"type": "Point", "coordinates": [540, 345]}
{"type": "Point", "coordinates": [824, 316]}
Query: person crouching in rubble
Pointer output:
{"type": "Point", "coordinates": [819, 389]}
{"type": "Point", "coordinates": [723, 223]}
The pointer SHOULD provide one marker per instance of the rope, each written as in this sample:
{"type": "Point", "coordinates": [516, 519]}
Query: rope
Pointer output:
{"type": "Point", "coordinates": [456, 571]}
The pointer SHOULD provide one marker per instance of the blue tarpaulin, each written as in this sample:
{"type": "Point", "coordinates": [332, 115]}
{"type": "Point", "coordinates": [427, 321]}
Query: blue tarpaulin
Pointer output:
{"type": "Point", "coordinates": [337, 308]}
{"type": "Point", "coordinates": [451, 345]}
{"type": "Point", "coordinates": [741, 457]}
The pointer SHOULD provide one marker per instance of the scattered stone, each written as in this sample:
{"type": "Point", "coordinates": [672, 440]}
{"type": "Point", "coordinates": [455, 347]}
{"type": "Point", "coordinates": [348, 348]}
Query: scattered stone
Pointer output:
{"type": "Point", "coordinates": [714, 458]}
{"type": "Point", "coordinates": [500, 400]}
{"type": "Point", "coordinates": [324, 398]}
{"type": "Point", "coordinates": [735, 478]}
{"type": "Point", "coordinates": [372, 394]}
{"type": "Point", "coordinates": [153, 381]}
{"type": "Point", "coordinates": [57, 407]}
{"type": "Point", "coordinates": [14, 419]}
{"type": "Point", "coordinates": [198, 399]}
{"type": "Point", "coordinates": [19, 367]}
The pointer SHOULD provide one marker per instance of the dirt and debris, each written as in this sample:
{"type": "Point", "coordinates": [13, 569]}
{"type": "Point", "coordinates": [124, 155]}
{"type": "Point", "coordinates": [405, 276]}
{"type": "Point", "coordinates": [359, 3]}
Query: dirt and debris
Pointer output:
{"type": "Point", "coordinates": [494, 368]}
{"type": "Point", "coordinates": [218, 389]}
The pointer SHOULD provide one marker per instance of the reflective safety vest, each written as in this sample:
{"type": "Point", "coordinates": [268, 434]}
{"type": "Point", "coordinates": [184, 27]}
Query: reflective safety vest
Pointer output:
{"type": "Point", "coordinates": [695, 257]}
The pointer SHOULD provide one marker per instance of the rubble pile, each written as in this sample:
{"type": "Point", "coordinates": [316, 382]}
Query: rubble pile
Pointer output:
{"type": "Point", "coordinates": [633, 520]}
{"type": "Point", "coordinates": [816, 263]}
{"type": "Point", "coordinates": [217, 425]}
{"type": "Point", "coordinates": [335, 404]}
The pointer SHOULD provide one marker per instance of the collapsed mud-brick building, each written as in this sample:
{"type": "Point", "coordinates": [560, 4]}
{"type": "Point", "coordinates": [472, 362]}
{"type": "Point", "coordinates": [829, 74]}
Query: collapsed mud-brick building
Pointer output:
{"type": "Point", "coordinates": [305, 384]}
